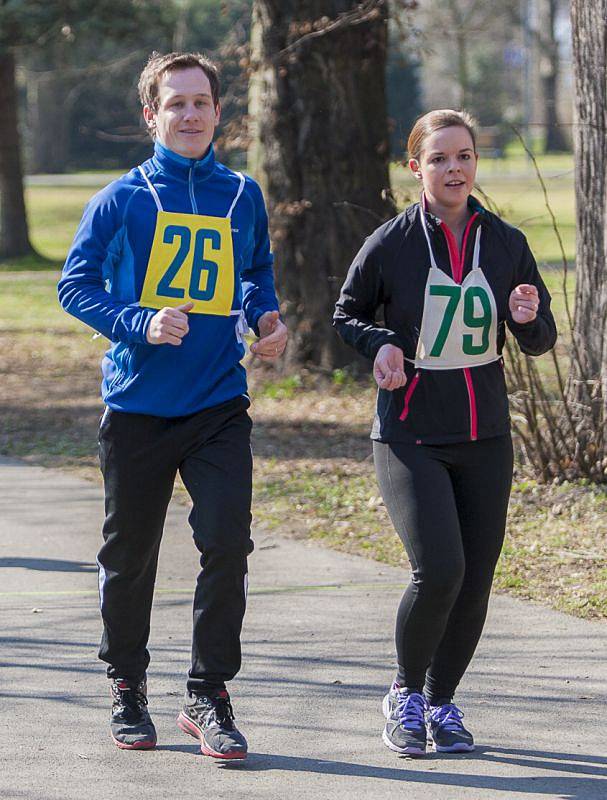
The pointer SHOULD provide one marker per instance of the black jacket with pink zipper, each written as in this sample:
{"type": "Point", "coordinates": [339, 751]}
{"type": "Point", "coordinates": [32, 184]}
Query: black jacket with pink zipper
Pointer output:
{"type": "Point", "coordinates": [391, 270]}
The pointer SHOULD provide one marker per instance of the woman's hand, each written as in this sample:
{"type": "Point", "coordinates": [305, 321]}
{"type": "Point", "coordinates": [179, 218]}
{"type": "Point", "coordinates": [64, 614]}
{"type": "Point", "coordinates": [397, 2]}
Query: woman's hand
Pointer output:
{"type": "Point", "coordinates": [388, 368]}
{"type": "Point", "coordinates": [523, 303]}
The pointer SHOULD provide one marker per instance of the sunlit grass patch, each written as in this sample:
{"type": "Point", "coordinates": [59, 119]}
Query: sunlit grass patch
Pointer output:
{"type": "Point", "coordinates": [282, 388]}
{"type": "Point", "coordinates": [54, 213]}
{"type": "Point", "coordinates": [314, 474]}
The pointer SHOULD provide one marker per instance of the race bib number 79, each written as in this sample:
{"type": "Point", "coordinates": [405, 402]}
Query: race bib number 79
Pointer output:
{"type": "Point", "coordinates": [191, 259]}
{"type": "Point", "coordinates": [476, 314]}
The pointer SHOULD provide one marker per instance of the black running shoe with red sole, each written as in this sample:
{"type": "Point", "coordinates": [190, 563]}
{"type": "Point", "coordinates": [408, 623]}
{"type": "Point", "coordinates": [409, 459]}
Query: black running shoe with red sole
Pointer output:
{"type": "Point", "coordinates": [131, 726]}
{"type": "Point", "coordinates": [210, 719]}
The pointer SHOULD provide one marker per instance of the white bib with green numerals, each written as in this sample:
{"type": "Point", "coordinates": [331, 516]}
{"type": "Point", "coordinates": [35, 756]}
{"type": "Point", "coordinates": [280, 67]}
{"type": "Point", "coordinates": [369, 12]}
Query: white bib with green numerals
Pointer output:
{"type": "Point", "coordinates": [459, 322]}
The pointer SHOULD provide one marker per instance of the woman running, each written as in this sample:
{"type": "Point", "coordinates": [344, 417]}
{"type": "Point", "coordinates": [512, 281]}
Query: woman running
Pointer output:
{"type": "Point", "coordinates": [450, 276]}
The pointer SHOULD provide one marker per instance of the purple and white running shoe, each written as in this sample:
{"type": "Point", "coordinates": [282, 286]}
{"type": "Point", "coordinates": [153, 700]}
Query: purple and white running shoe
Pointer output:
{"type": "Point", "coordinates": [405, 729]}
{"type": "Point", "coordinates": [446, 729]}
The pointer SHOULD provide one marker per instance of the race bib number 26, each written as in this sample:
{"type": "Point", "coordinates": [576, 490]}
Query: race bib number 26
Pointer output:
{"type": "Point", "coordinates": [192, 259]}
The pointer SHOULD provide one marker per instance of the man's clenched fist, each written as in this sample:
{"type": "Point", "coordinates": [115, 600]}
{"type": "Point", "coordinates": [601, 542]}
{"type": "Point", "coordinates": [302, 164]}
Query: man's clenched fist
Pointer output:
{"type": "Point", "coordinates": [169, 325]}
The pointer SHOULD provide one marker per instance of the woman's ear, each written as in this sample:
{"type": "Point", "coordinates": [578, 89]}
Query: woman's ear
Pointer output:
{"type": "Point", "coordinates": [415, 169]}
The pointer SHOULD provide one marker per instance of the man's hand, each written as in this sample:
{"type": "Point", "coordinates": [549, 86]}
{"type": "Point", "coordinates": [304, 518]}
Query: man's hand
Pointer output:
{"type": "Point", "coordinates": [169, 325]}
{"type": "Point", "coordinates": [272, 337]}
{"type": "Point", "coordinates": [389, 368]}
{"type": "Point", "coordinates": [523, 303]}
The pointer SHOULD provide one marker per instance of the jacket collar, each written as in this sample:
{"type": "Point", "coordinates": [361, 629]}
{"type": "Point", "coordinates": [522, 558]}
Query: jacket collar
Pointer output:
{"type": "Point", "coordinates": [181, 167]}
{"type": "Point", "coordinates": [434, 222]}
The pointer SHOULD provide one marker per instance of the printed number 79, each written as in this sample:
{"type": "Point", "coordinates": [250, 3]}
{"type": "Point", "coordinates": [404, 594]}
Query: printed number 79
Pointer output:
{"type": "Point", "coordinates": [454, 294]}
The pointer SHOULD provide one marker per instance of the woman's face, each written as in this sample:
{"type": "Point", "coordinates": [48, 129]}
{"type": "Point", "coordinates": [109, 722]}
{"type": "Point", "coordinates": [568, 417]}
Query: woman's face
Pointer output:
{"type": "Point", "coordinates": [447, 167]}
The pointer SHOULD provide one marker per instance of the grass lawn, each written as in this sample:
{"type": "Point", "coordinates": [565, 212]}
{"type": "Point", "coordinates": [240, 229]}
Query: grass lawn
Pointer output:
{"type": "Point", "coordinates": [511, 183]}
{"type": "Point", "coordinates": [54, 212]}
{"type": "Point", "coordinates": [313, 476]}
{"type": "Point", "coordinates": [313, 472]}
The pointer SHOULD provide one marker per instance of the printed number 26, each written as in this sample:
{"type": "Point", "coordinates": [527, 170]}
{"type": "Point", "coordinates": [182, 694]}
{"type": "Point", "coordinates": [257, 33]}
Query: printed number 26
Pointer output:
{"type": "Point", "coordinates": [454, 294]}
{"type": "Point", "coordinates": [200, 264]}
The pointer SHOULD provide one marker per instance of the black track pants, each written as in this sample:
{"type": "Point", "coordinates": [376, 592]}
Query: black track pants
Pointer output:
{"type": "Point", "coordinates": [448, 504]}
{"type": "Point", "coordinates": [140, 456]}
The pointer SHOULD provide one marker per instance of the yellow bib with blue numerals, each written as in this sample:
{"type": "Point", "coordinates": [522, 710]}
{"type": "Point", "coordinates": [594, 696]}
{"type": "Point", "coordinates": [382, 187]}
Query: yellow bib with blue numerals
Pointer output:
{"type": "Point", "coordinates": [191, 260]}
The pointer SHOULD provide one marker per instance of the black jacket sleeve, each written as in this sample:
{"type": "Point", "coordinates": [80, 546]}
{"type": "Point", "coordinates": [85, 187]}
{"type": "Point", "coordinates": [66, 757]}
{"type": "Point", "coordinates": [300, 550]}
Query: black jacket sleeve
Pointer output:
{"type": "Point", "coordinates": [360, 297]}
{"type": "Point", "coordinates": [538, 336]}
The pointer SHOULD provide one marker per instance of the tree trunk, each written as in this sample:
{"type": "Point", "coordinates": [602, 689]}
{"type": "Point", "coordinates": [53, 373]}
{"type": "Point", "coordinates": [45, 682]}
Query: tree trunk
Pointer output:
{"type": "Point", "coordinates": [588, 384]}
{"type": "Point", "coordinates": [14, 239]}
{"type": "Point", "coordinates": [462, 68]}
{"type": "Point", "coordinates": [323, 147]}
{"type": "Point", "coordinates": [459, 26]}
{"type": "Point", "coordinates": [50, 111]}
{"type": "Point", "coordinates": [555, 140]}
{"type": "Point", "coordinates": [50, 120]}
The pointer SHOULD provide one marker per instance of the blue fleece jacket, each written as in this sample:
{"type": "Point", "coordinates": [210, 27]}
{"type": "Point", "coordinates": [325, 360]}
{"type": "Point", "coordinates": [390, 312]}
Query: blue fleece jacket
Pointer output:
{"type": "Point", "coordinates": [105, 271]}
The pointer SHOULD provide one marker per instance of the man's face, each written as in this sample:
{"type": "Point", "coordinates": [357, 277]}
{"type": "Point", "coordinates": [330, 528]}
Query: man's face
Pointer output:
{"type": "Point", "coordinates": [186, 117]}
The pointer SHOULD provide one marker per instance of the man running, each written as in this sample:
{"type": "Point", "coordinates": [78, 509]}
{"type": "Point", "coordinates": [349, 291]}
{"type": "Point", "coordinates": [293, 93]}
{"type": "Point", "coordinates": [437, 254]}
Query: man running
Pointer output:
{"type": "Point", "coordinates": [171, 262]}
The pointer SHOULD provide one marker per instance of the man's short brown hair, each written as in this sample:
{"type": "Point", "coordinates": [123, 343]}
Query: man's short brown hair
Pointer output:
{"type": "Point", "coordinates": [157, 66]}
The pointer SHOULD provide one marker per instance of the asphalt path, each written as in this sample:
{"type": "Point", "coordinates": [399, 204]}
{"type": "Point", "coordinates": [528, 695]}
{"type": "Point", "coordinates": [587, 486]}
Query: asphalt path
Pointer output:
{"type": "Point", "coordinates": [318, 656]}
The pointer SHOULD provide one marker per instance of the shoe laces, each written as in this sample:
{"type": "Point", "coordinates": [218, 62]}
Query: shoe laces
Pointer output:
{"type": "Point", "coordinates": [411, 709]}
{"type": "Point", "coordinates": [449, 717]}
{"type": "Point", "coordinates": [224, 713]}
{"type": "Point", "coordinates": [217, 707]}
{"type": "Point", "coordinates": [130, 695]}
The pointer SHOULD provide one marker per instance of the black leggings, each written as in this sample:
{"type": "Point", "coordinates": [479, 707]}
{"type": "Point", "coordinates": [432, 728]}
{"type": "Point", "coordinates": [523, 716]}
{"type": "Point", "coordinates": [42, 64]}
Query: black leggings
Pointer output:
{"type": "Point", "coordinates": [448, 504]}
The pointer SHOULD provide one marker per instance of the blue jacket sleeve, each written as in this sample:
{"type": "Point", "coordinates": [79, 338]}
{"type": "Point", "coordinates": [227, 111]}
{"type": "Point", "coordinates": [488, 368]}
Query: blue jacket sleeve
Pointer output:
{"type": "Point", "coordinates": [82, 287]}
{"type": "Point", "coordinates": [258, 294]}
